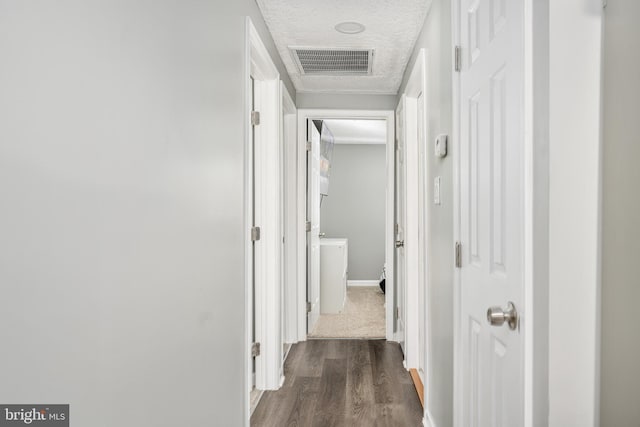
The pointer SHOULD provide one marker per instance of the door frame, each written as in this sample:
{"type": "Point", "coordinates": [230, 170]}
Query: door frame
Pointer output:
{"type": "Point", "coordinates": [400, 336]}
{"type": "Point", "coordinates": [319, 114]}
{"type": "Point", "coordinates": [289, 135]}
{"type": "Point", "coordinates": [267, 100]}
{"type": "Point", "coordinates": [416, 247]}
{"type": "Point", "coordinates": [534, 315]}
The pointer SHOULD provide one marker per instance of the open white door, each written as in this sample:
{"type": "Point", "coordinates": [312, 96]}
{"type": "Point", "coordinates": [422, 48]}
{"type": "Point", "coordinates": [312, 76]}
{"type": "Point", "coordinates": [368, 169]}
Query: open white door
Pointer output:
{"type": "Point", "coordinates": [491, 212]}
{"type": "Point", "coordinates": [400, 313]}
{"type": "Point", "coordinates": [313, 218]}
{"type": "Point", "coordinates": [422, 237]}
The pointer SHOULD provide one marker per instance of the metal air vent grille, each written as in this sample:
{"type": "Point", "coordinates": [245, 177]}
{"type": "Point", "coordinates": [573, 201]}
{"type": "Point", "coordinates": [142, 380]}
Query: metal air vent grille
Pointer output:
{"type": "Point", "coordinates": [313, 61]}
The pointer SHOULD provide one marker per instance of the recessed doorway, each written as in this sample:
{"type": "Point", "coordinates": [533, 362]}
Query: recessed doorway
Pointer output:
{"type": "Point", "coordinates": [348, 212]}
{"type": "Point", "coordinates": [352, 196]}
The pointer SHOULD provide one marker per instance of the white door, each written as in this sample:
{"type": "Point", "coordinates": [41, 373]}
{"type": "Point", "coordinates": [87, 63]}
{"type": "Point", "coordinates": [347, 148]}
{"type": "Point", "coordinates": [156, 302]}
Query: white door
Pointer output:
{"type": "Point", "coordinates": [491, 209]}
{"type": "Point", "coordinates": [400, 265]}
{"type": "Point", "coordinates": [283, 226]}
{"type": "Point", "coordinates": [254, 318]}
{"type": "Point", "coordinates": [422, 238]}
{"type": "Point", "coordinates": [313, 216]}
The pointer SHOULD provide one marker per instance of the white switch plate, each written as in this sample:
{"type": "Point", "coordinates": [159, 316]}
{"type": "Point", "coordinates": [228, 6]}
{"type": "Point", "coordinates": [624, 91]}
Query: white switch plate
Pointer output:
{"type": "Point", "coordinates": [436, 190]}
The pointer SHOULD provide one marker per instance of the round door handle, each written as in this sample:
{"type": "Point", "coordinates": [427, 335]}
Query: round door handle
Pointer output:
{"type": "Point", "coordinates": [497, 316]}
{"type": "Point", "coordinates": [399, 243]}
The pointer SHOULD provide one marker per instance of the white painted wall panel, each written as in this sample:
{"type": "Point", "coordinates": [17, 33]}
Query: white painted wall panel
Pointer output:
{"type": "Point", "coordinates": [346, 102]}
{"type": "Point", "coordinates": [436, 38]}
{"type": "Point", "coordinates": [121, 179]}
{"type": "Point", "coordinates": [574, 130]}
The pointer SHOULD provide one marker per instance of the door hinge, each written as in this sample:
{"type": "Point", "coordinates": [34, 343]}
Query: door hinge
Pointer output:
{"type": "Point", "coordinates": [397, 312]}
{"type": "Point", "coordinates": [395, 229]}
{"type": "Point", "coordinates": [307, 226]}
{"type": "Point", "coordinates": [308, 306]}
{"type": "Point", "coordinates": [255, 349]}
{"type": "Point", "coordinates": [458, 255]}
{"type": "Point", "coordinates": [255, 118]}
{"type": "Point", "coordinates": [255, 234]}
{"type": "Point", "coordinates": [457, 54]}
{"type": "Point", "coordinates": [308, 146]}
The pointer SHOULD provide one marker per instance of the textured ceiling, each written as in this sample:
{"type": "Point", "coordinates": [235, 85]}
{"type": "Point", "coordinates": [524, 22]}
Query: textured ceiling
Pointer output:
{"type": "Point", "coordinates": [358, 131]}
{"type": "Point", "coordinates": [392, 27]}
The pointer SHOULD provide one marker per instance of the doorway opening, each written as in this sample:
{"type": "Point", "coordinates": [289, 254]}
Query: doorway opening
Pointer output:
{"type": "Point", "coordinates": [351, 222]}
{"type": "Point", "coordinates": [347, 207]}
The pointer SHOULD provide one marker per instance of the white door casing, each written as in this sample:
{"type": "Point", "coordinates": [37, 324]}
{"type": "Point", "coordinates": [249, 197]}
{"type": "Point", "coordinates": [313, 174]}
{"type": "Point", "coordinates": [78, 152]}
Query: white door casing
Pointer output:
{"type": "Point", "coordinates": [313, 216]}
{"type": "Point", "coordinates": [289, 135]}
{"type": "Point", "coordinates": [414, 240]}
{"type": "Point", "coordinates": [263, 257]}
{"type": "Point", "coordinates": [283, 210]}
{"type": "Point", "coordinates": [491, 185]}
{"type": "Point", "coordinates": [400, 228]}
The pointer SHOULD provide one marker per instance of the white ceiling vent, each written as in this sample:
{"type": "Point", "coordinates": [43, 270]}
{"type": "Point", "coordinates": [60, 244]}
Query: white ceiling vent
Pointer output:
{"type": "Point", "coordinates": [333, 61]}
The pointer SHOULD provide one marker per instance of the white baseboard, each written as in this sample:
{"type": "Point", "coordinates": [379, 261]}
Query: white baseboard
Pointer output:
{"type": "Point", "coordinates": [255, 405]}
{"type": "Point", "coordinates": [427, 421]}
{"type": "Point", "coordinates": [363, 283]}
{"type": "Point", "coordinates": [289, 347]}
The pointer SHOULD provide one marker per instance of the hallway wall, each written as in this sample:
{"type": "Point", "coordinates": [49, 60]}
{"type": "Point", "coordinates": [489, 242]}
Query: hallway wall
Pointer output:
{"type": "Point", "coordinates": [436, 38]}
{"type": "Point", "coordinates": [620, 381]}
{"type": "Point", "coordinates": [575, 64]}
{"type": "Point", "coordinates": [343, 101]}
{"type": "Point", "coordinates": [355, 207]}
{"type": "Point", "coordinates": [121, 261]}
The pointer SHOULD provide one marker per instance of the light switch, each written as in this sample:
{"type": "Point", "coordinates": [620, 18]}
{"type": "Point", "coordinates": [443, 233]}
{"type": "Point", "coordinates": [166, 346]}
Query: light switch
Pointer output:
{"type": "Point", "coordinates": [436, 190]}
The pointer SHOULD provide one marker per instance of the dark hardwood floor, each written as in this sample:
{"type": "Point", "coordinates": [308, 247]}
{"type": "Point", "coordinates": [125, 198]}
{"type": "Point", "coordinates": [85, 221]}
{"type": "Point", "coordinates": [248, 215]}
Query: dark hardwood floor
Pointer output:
{"type": "Point", "coordinates": [342, 383]}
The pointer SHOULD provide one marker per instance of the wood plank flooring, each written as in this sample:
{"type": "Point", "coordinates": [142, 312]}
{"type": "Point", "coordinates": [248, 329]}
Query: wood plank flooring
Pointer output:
{"type": "Point", "coordinates": [342, 383]}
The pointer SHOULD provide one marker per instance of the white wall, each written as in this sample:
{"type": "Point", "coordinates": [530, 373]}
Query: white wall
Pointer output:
{"type": "Point", "coordinates": [355, 206]}
{"type": "Point", "coordinates": [121, 178]}
{"type": "Point", "coordinates": [436, 38]}
{"type": "Point", "coordinates": [574, 131]}
{"type": "Point", "coordinates": [621, 211]}
{"type": "Point", "coordinates": [346, 101]}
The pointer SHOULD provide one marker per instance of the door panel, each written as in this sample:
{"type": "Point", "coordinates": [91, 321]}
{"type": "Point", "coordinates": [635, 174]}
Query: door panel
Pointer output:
{"type": "Point", "coordinates": [400, 266]}
{"type": "Point", "coordinates": [491, 203]}
{"type": "Point", "coordinates": [422, 240]}
{"type": "Point", "coordinates": [313, 216]}
{"type": "Point", "coordinates": [253, 323]}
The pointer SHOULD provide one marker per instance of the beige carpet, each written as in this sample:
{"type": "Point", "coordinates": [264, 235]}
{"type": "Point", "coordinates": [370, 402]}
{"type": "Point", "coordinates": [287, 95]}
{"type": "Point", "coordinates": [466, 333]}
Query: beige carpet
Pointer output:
{"type": "Point", "coordinates": [362, 317]}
